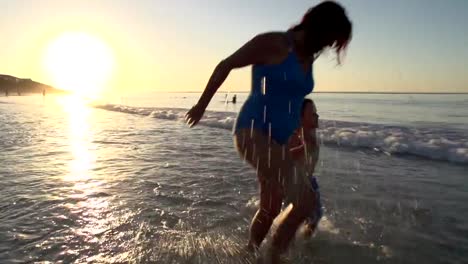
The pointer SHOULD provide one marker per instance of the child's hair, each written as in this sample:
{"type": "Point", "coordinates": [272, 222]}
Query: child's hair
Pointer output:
{"type": "Point", "coordinates": [304, 105]}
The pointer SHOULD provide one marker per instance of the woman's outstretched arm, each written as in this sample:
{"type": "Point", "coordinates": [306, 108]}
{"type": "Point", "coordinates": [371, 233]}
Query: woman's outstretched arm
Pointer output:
{"type": "Point", "coordinates": [259, 50]}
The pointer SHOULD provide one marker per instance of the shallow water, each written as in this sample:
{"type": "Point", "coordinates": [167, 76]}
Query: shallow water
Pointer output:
{"type": "Point", "coordinates": [81, 184]}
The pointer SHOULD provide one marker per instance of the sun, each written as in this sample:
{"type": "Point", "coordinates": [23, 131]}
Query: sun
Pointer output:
{"type": "Point", "coordinates": [79, 62]}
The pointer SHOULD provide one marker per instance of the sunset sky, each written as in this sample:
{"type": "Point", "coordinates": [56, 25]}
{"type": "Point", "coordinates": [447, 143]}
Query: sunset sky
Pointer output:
{"type": "Point", "coordinates": [398, 46]}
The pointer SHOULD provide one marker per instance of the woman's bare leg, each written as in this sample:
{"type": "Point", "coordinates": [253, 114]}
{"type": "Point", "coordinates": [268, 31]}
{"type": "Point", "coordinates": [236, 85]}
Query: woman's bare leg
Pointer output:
{"type": "Point", "coordinates": [272, 162]}
{"type": "Point", "coordinates": [270, 206]}
{"type": "Point", "coordinates": [288, 226]}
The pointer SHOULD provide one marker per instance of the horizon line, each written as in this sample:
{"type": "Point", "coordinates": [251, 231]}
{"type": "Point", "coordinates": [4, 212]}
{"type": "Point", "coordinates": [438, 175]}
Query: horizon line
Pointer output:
{"type": "Point", "coordinates": [331, 92]}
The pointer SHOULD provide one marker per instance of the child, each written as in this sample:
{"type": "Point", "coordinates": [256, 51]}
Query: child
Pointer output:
{"type": "Point", "coordinates": [304, 149]}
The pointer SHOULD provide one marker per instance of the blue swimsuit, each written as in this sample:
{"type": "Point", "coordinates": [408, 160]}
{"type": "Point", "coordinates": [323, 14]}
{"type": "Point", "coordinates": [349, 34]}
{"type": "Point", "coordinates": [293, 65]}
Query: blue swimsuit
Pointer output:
{"type": "Point", "coordinates": [275, 101]}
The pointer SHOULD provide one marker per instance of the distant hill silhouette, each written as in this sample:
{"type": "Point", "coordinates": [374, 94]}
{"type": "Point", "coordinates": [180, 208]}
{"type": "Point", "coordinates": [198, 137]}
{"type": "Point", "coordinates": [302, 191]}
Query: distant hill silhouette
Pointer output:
{"type": "Point", "coordinates": [12, 85]}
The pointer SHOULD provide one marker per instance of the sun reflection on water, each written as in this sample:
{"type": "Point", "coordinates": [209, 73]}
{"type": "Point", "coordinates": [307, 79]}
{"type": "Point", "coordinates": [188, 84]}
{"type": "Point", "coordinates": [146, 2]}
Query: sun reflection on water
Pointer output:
{"type": "Point", "coordinates": [89, 203]}
{"type": "Point", "coordinates": [80, 138]}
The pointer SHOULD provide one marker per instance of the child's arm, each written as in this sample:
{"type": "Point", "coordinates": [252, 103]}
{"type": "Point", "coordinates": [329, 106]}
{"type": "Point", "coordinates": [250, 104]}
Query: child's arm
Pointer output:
{"type": "Point", "coordinates": [312, 148]}
{"type": "Point", "coordinates": [296, 147]}
{"type": "Point", "coordinates": [297, 152]}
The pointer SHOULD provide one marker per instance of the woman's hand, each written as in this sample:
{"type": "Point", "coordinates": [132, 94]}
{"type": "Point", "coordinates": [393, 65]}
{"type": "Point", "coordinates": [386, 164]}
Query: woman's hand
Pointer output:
{"type": "Point", "coordinates": [194, 115]}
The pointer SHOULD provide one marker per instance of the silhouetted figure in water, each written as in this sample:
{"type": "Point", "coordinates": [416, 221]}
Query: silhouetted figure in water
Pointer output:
{"type": "Point", "coordinates": [43, 92]}
{"type": "Point", "coordinates": [6, 92]}
{"type": "Point", "coordinates": [234, 99]}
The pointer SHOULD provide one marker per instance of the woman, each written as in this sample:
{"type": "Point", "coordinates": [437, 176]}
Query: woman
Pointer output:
{"type": "Point", "coordinates": [281, 77]}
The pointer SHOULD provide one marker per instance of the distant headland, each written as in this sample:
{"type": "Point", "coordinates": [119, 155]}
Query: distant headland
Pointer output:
{"type": "Point", "coordinates": [11, 85]}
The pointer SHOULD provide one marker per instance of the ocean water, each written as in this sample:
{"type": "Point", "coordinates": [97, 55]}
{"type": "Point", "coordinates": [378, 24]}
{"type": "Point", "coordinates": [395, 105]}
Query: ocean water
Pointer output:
{"type": "Point", "coordinates": [125, 180]}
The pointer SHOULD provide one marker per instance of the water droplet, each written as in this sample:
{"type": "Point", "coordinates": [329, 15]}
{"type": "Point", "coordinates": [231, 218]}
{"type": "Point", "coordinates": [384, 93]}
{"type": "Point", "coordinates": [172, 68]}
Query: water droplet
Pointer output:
{"type": "Point", "coordinates": [233, 130]}
{"type": "Point", "coordinates": [289, 107]}
{"type": "Point", "coordinates": [263, 85]}
{"type": "Point", "coordinates": [264, 113]}
{"type": "Point", "coordinates": [285, 77]}
{"type": "Point", "coordinates": [284, 152]}
{"type": "Point", "coordinates": [269, 133]}
{"type": "Point", "coordinates": [269, 156]}
{"type": "Point", "coordinates": [252, 127]}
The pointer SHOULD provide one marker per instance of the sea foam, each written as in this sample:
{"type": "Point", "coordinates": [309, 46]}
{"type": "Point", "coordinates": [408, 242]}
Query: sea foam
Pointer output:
{"type": "Point", "coordinates": [431, 143]}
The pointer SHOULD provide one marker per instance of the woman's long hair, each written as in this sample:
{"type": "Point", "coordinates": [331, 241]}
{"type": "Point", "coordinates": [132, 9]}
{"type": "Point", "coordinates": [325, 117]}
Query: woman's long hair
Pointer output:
{"type": "Point", "coordinates": [326, 25]}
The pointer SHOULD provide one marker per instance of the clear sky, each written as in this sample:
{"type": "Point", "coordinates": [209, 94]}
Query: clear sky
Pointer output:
{"type": "Point", "coordinates": [398, 46]}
